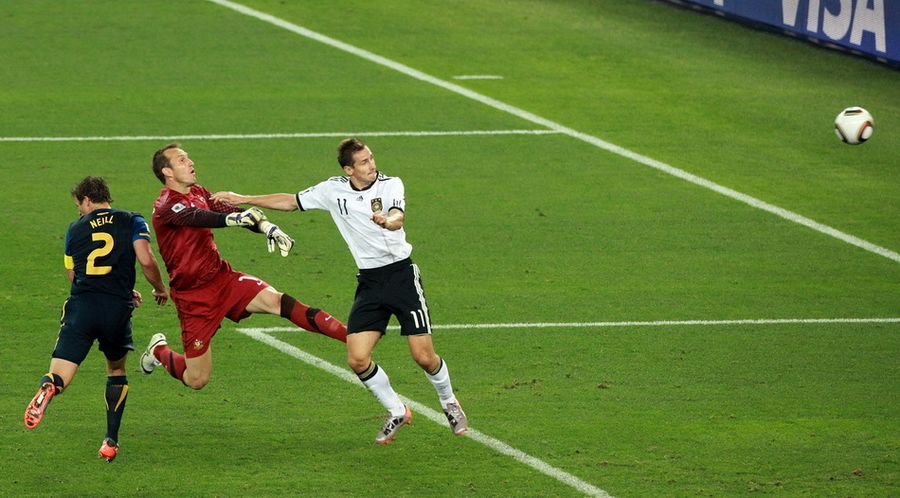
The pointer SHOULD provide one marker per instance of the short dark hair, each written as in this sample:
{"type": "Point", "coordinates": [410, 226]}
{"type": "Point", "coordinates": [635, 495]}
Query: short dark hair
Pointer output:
{"type": "Point", "coordinates": [347, 148]}
{"type": "Point", "coordinates": [160, 161]}
{"type": "Point", "coordinates": [93, 187]}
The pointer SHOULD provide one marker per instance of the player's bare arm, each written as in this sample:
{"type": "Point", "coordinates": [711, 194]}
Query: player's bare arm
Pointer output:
{"type": "Point", "coordinates": [279, 202]}
{"type": "Point", "coordinates": [223, 213]}
{"type": "Point", "coordinates": [151, 270]}
{"type": "Point", "coordinates": [393, 220]}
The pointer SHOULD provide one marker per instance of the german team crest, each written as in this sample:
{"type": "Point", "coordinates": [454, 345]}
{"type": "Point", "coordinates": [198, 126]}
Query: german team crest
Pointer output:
{"type": "Point", "coordinates": [376, 205]}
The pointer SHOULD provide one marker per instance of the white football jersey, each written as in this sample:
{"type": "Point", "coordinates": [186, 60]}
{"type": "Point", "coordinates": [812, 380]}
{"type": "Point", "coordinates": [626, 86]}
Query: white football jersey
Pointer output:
{"type": "Point", "coordinates": [371, 245]}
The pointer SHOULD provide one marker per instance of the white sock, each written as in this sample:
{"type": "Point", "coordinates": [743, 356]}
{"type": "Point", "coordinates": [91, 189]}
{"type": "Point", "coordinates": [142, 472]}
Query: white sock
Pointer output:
{"type": "Point", "coordinates": [441, 383]}
{"type": "Point", "coordinates": [380, 385]}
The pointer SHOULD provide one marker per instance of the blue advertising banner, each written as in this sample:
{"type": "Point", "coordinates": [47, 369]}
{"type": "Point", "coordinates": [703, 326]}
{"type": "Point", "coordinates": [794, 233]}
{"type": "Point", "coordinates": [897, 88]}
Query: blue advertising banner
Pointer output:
{"type": "Point", "coordinates": [869, 27]}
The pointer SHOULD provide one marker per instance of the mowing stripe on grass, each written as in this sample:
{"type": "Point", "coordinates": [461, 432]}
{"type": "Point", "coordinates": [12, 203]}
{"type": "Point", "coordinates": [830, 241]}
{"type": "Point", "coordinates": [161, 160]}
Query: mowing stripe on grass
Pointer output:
{"type": "Point", "coordinates": [615, 149]}
{"type": "Point", "coordinates": [659, 323]}
{"type": "Point", "coordinates": [438, 418]}
{"type": "Point", "coordinates": [257, 136]}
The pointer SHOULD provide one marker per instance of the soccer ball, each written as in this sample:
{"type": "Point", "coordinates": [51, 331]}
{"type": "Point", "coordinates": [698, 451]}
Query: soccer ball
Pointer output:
{"type": "Point", "coordinates": [854, 125]}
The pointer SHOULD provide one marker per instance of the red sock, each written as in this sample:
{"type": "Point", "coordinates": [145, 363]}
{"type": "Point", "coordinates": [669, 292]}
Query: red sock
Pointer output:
{"type": "Point", "coordinates": [331, 326]}
{"type": "Point", "coordinates": [312, 319]}
{"type": "Point", "coordinates": [173, 361]}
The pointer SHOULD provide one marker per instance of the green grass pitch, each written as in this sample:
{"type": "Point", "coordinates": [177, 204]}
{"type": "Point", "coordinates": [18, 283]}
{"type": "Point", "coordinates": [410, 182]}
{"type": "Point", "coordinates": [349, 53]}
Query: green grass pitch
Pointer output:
{"type": "Point", "coordinates": [523, 229]}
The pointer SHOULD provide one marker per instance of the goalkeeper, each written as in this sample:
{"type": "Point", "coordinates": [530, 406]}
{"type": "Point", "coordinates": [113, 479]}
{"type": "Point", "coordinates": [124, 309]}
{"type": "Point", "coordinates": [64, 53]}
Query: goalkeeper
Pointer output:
{"type": "Point", "coordinates": [204, 287]}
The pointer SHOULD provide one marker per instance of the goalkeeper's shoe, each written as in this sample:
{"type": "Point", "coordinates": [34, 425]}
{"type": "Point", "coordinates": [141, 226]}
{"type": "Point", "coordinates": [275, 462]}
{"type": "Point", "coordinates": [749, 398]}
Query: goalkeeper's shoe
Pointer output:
{"type": "Point", "coordinates": [108, 450]}
{"type": "Point", "coordinates": [391, 425]}
{"type": "Point", "coordinates": [35, 411]}
{"type": "Point", "coordinates": [148, 361]}
{"type": "Point", "coordinates": [459, 423]}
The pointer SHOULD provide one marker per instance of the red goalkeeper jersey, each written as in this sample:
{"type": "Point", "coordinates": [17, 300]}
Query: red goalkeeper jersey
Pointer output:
{"type": "Point", "coordinates": [183, 224]}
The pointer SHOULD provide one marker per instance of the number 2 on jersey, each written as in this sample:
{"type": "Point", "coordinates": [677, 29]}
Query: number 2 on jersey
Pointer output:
{"type": "Point", "coordinates": [99, 252]}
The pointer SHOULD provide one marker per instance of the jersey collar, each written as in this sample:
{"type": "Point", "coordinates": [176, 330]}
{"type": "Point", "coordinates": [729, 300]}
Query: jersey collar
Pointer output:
{"type": "Point", "coordinates": [367, 187]}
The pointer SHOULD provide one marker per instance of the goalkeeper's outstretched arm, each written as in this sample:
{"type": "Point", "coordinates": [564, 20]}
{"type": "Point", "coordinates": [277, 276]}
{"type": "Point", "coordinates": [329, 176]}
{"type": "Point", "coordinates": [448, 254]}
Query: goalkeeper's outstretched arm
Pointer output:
{"type": "Point", "coordinates": [204, 218]}
{"type": "Point", "coordinates": [278, 202]}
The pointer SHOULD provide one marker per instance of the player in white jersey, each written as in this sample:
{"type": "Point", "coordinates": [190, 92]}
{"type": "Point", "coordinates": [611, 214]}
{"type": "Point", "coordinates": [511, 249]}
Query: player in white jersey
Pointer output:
{"type": "Point", "coordinates": [368, 208]}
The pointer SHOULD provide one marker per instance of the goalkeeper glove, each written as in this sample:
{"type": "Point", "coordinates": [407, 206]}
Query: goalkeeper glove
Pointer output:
{"type": "Point", "coordinates": [275, 237]}
{"type": "Point", "coordinates": [249, 218]}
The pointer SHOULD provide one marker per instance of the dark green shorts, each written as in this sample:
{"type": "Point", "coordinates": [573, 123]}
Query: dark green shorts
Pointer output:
{"type": "Point", "coordinates": [94, 316]}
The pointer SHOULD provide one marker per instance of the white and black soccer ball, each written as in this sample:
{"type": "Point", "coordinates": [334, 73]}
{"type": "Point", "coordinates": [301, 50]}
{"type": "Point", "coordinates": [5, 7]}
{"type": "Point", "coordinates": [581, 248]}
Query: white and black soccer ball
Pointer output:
{"type": "Point", "coordinates": [854, 125]}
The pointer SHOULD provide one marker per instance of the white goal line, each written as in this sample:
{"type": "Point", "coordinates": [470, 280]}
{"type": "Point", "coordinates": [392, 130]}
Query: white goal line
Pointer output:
{"type": "Point", "coordinates": [658, 323]}
{"type": "Point", "coordinates": [265, 136]}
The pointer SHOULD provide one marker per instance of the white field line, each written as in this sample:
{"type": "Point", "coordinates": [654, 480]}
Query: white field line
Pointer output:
{"type": "Point", "coordinates": [660, 323]}
{"type": "Point", "coordinates": [478, 77]}
{"type": "Point", "coordinates": [257, 136]}
{"type": "Point", "coordinates": [597, 142]}
{"type": "Point", "coordinates": [434, 416]}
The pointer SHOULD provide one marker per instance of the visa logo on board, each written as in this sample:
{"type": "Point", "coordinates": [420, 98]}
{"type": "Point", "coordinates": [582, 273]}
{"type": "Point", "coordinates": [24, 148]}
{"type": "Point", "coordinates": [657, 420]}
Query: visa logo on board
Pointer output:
{"type": "Point", "coordinates": [840, 17]}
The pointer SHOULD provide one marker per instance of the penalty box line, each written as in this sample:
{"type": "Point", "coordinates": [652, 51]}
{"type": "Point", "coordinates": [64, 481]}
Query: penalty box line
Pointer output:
{"type": "Point", "coordinates": [436, 417]}
{"type": "Point", "coordinates": [271, 136]}
{"type": "Point", "coordinates": [658, 323]}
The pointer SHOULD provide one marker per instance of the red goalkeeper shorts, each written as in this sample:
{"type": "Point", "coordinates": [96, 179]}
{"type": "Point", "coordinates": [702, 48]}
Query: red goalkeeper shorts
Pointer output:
{"type": "Point", "coordinates": [202, 310]}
